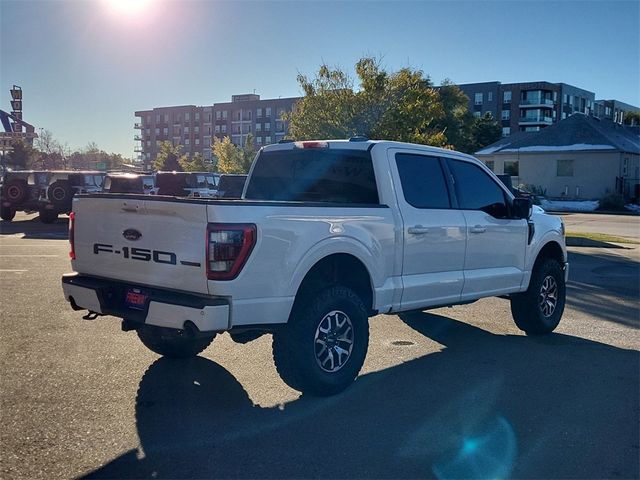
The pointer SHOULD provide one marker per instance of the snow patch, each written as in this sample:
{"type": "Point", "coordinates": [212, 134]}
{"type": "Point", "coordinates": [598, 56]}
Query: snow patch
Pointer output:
{"type": "Point", "coordinates": [633, 208]}
{"type": "Point", "coordinates": [488, 150]}
{"type": "Point", "coordinates": [570, 206]}
{"type": "Point", "coordinates": [560, 148]}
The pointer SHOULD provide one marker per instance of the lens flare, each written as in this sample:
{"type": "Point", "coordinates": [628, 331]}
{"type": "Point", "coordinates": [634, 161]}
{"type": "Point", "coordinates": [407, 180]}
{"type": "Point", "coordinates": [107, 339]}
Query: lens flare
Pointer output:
{"type": "Point", "coordinates": [128, 7]}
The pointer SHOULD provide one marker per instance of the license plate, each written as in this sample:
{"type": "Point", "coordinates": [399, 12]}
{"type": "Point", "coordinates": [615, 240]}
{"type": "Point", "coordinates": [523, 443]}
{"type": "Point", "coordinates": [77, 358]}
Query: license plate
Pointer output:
{"type": "Point", "coordinates": [136, 299]}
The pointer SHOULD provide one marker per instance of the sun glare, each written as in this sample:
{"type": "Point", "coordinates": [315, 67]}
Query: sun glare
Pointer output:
{"type": "Point", "coordinates": [127, 7]}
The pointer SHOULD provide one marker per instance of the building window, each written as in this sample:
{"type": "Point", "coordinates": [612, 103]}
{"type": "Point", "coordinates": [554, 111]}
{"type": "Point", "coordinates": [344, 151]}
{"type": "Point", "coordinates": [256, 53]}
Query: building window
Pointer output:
{"type": "Point", "coordinates": [490, 97]}
{"type": "Point", "coordinates": [259, 113]}
{"type": "Point", "coordinates": [158, 118]}
{"type": "Point", "coordinates": [166, 118]}
{"type": "Point", "coordinates": [148, 119]}
{"type": "Point", "coordinates": [207, 154]}
{"type": "Point", "coordinates": [565, 168]}
{"type": "Point", "coordinates": [506, 114]}
{"type": "Point", "coordinates": [267, 127]}
{"type": "Point", "coordinates": [259, 140]}
{"type": "Point", "coordinates": [197, 116]}
{"type": "Point", "coordinates": [511, 167]}
{"type": "Point", "coordinates": [506, 96]}
{"type": "Point", "coordinates": [224, 114]}
{"type": "Point", "coordinates": [258, 127]}
{"type": "Point", "coordinates": [157, 143]}
{"type": "Point", "coordinates": [187, 117]}
{"type": "Point", "coordinates": [267, 112]}
{"type": "Point", "coordinates": [157, 131]}
{"type": "Point", "coordinates": [186, 130]}
{"type": "Point", "coordinates": [223, 128]}
{"type": "Point", "coordinates": [165, 130]}
{"type": "Point", "coordinates": [478, 98]}
{"type": "Point", "coordinates": [148, 143]}
{"type": "Point", "coordinates": [209, 117]}
{"type": "Point", "coordinates": [267, 140]}
{"type": "Point", "coordinates": [218, 115]}
{"type": "Point", "coordinates": [490, 164]}
{"type": "Point", "coordinates": [477, 114]}
{"type": "Point", "coordinates": [187, 142]}
{"type": "Point", "coordinates": [197, 141]}
{"type": "Point", "coordinates": [196, 130]}
{"type": "Point", "coordinates": [506, 131]}
{"type": "Point", "coordinates": [206, 140]}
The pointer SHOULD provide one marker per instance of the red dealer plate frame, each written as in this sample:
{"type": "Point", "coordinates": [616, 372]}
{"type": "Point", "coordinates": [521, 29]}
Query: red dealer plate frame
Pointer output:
{"type": "Point", "coordinates": [135, 298]}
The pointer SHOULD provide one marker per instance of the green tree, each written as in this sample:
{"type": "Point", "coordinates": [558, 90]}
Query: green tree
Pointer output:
{"type": "Point", "coordinates": [485, 131]}
{"type": "Point", "coordinates": [401, 105]}
{"type": "Point", "coordinates": [22, 156]}
{"type": "Point", "coordinates": [195, 164]}
{"type": "Point", "coordinates": [632, 118]}
{"type": "Point", "coordinates": [169, 159]}
{"type": "Point", "coordinates": [248, 153]}
{"type": "Point", "coordinates": [457, 122]}
{"type": "Point", "coordinates": [232, 159]}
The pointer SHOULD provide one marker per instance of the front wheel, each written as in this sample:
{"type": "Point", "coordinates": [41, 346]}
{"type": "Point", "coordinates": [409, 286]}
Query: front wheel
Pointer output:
{"type": "Point", "coordinates": [173, 343]}
{"type": "Point", "coordinates": [7, 213]}
{"type": "Point", "coordinates": [539, 309]}
{"type": "Point", "coordinates": [322, 348]}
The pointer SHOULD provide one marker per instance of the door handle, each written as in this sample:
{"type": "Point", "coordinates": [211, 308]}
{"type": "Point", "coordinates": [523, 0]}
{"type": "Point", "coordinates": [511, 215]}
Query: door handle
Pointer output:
{"type": "Point", "coordinates": [478, 229]}
{"type": "Point", "coordinates": [418, 230]}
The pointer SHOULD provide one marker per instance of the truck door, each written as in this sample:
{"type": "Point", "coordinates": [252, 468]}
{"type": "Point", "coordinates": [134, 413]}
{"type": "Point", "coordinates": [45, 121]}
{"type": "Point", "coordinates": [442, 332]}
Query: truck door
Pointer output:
{"type": "Point", "coordinates": [496, 243]}
{"type": "Point", "coordinates": [433, 232]}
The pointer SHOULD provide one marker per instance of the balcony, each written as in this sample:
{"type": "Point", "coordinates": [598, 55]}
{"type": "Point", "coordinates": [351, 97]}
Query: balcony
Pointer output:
{"type": "Point", "coordinates": [138, 149]}
{"type": "Point", "coordinates": [536, 103]}
{"type": "Point", "coordinates": [137, 138]}
{"type": "Point", "coordinates": [138, 126]}
{"type": "Point", "coordinates": [535, 120]}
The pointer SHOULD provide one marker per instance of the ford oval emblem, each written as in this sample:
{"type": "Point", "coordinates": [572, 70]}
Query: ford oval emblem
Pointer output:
{"type": "Point", "coordinates": [131, 234]}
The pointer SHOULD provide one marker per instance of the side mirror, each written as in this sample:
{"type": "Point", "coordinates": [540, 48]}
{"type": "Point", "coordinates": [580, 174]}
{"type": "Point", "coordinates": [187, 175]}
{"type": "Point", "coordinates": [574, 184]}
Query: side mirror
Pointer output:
{"type": "Point", "coordinates": [31, 179]}
{"type": "Point", "coordinates": [522, 207]}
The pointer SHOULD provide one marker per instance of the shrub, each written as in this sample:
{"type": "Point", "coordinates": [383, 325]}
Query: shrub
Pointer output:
{"type": "Point", "coordinates": [611, 201]}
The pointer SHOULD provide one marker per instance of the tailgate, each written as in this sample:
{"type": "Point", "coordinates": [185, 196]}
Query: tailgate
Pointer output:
{"type": "Point", "coordinates": [147, 241]}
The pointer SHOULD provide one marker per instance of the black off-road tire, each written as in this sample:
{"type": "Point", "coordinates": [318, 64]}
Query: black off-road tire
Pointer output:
{"type": "Point", "coordinates": [15, 191]}
{"type": "Point", "coordinates": [301, 345]}
{"type": "Point", "coordinates": [7, 213]}
{"type": "Point", "coordinates": [60, 193]}
{"type": "Point", "coordinates": [539, 310]}
{"type": "Point", "coordinates": [48, 216]}
{"type": "Point", "coordinates": [173, 343]}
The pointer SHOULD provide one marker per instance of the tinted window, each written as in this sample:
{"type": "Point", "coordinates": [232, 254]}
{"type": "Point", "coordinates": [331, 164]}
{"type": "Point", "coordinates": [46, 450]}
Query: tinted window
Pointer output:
{"type": "Point", "coordinates": [423, 181]}
{"type": "Point", "coordinates": [476, 190]}
{"type": "Point", "coordinates": [314, 175]}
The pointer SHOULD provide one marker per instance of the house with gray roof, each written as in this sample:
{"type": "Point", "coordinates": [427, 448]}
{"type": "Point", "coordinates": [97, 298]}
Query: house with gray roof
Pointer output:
{"type": "Point", "coordinates": [580, 157]}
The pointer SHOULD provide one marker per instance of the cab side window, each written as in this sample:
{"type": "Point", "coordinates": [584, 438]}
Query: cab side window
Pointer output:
{"type": "Point", "coordinates": [477, 191]}
{"type": "Point", "coordinates": [423, 182]}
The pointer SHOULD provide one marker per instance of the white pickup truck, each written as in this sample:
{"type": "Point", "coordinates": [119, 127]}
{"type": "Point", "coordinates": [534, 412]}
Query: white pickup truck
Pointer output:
{"type": "Point", "coordinates": [327, 234]}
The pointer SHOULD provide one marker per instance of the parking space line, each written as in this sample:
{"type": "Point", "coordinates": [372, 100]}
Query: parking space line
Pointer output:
{"type": "Point", "coordinates": [27, 255]}
{"type": "Point", "coordinates": [14, 271]}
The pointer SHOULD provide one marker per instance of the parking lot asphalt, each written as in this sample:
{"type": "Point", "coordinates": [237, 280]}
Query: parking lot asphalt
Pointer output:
{"type": "Point", "coordinates": [444, 393]}
{"type": "Point", "coordinates": [619, 225]}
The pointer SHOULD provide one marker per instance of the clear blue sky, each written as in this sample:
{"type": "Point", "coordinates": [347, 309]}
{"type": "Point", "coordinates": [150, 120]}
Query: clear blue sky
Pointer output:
{"type": "Point", "coordinates": [86, 66]}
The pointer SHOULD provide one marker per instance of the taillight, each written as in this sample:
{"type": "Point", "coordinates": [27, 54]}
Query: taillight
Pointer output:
{"type": "Point", "coordinates": [228, 247]}
{"type": "Point", "coordinates": [72, 227]}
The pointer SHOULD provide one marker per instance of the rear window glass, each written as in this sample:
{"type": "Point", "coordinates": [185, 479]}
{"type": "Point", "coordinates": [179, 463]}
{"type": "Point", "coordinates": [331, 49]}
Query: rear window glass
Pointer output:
{"type": "Point", "coordinates": [314, 175]}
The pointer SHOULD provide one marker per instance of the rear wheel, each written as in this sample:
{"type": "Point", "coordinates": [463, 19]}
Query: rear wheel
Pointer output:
{"type": "Point", "coordinates": [173, 343]}
{"type": "Point", "coordinates": [15, 191]}
{"type": "Point", "coordinates": [7, 213]}
{"type": "Point", "coordinates": [539, 309]}
{"type": "Point", "coordinates": [48, 216]}
{"type": "Point", "coordinates": [322, 348]}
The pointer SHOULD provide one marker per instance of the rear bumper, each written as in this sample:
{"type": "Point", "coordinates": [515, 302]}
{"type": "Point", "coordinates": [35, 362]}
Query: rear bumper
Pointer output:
{"type": "Point", "coordinates": [164, 308]}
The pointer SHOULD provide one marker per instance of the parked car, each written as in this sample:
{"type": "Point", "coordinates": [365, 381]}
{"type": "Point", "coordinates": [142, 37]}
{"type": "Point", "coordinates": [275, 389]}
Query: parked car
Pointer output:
{"type": "Point", "coordinates": [231, 186]}
{"type": "Point", "coordinates": [327, 234]}
{"type": "Point", "coordinates": [130, 183]}
{"type": "Point", "coordinates": [187, 184]}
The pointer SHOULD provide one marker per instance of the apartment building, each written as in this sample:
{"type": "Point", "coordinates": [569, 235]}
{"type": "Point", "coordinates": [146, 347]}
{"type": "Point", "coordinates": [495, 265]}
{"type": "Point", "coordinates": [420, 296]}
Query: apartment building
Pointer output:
{"type": "Point", "coordinates": [527, 107]}
{"type": "Point", "coordinates": [613, 110]}
{"type": "Point", "coordinates": [195, 127]}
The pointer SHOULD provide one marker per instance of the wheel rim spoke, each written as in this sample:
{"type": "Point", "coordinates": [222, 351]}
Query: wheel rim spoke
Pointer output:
{"type": "Point", "coordinates": [333, 341]}
{"type": "Point", "coordinates": [548, 297]}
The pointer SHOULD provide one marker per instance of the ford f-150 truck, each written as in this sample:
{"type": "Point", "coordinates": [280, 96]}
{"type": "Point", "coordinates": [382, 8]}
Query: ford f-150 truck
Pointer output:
{"type": "Point", "coordinates": [326, 235]}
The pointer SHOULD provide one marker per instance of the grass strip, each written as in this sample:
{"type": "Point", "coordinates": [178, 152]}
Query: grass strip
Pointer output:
{"type": "Point", "coordinates": [602, 237]}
